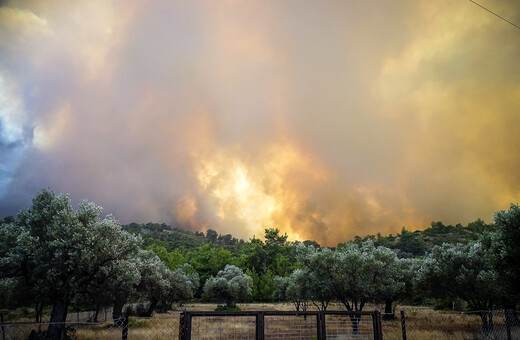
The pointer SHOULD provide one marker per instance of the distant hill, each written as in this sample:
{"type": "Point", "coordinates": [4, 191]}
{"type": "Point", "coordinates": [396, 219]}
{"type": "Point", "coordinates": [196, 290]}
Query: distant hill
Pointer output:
{"type": "Point", "coordinates": [178, 237]}
{"type": "Point", "coordinates": [417, 243]}
{"type": "Point", "coordinates": [405, 244]}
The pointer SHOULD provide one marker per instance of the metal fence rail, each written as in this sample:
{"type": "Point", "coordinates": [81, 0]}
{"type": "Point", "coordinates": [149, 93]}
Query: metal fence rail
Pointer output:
{"type": "Point", "coordinates": [419, 323]}
{"type": "Point", "coordinates": [261, 325]}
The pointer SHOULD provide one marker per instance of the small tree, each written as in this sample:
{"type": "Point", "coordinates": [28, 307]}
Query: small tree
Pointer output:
{"type": "Point", "coordinates": [184, 282]}
{"type": "Point", "coordinates": [230, 285]}
{"type": "Point", "coordinates": [155, 279]}
{"type": "Point", "coordinates": [298, 289]}
{"type": "Point", "coordinates": [319, 285]}
{"type": "Point", "coordinates": [465, 272]}
{"type": "Point", "coordinates": [354, 274]}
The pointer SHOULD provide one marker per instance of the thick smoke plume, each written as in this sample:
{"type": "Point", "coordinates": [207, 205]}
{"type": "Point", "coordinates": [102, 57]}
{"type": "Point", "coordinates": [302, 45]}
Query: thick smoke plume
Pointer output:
{"type": "Point", "coordinates": [323, 120]}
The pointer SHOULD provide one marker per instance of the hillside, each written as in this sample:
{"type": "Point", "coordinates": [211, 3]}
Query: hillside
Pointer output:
{"type": "Point", "coordinates": [417, 243]}
{"type": "Point", "coordinates": [405, 244]}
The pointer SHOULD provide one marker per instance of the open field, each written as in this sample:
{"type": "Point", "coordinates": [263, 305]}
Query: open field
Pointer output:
{"type": "Point", "coordinates": [421, 323]}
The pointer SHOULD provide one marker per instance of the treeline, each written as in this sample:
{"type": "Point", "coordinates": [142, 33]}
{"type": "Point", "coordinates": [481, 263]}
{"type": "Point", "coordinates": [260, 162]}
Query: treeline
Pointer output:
{"type": "Point", "coordinates": [54, 255]}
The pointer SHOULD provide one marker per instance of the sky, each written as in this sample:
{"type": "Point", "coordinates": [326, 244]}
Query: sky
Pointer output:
{"type": "Point", "coordinates": [323, 119]}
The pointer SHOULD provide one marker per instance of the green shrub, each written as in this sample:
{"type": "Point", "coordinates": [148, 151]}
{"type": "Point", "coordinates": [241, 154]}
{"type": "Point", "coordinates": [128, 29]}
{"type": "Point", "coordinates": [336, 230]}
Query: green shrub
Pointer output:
{"type": "Point", "coordinates": [224, 308]}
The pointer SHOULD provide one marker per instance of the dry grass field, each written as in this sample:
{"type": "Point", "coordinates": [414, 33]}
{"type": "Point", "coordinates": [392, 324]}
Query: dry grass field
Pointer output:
{"type": "Point", "coordinates": [421, 323]}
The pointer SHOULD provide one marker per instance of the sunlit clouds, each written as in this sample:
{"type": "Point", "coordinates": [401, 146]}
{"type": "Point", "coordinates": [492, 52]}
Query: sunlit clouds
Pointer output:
{"type": "Point", "coordinates": [323, 120]}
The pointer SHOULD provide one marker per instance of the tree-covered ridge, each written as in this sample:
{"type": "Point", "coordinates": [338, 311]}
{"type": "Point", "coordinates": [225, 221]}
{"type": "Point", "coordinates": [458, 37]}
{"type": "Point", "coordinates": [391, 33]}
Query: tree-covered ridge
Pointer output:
{"type": "Point", "coordinates": [406, 243]}
{"type": "Point", "coordinates": [173, 237]}
{"type": "Point", "coordinates": [419, 242]}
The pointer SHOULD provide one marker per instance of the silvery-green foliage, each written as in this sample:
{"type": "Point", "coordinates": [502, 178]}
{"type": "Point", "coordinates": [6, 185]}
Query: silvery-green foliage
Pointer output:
{"type": "Point", "coordinates": [506, 247]}
{"type": "Point", "coordinates": [154, 275]}
{"type": "Point", "coordinates": [185, 281]}
{"type": "Point", "coordinates": [59, 251]}
{"type": "Point", "coordinates": [317, 269]}
{"type": "Point", "coordinates": [298, 288]}
{"type": "Point", "coordinates": [280, 290]}
{"type": "Point", "coordinates": [182, 285]}
{"type": "Point", "coordinates": [461, 271]}
{"type": "Point", "coordinates": [231, 284]}
{"type": "Point", "coordinates": [354, 274]}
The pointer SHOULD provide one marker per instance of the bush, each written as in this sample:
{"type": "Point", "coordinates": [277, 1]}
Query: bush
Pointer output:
{"type": "Point", "coordinates": [224, 308]}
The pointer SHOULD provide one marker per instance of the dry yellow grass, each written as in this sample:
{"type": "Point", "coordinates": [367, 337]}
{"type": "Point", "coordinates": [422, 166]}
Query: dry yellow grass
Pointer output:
{"type": "Point", "coordinates": [421, 323]}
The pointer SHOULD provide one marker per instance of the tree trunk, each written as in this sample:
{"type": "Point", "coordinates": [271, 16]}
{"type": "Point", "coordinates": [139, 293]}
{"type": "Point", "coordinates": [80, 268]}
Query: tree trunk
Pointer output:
{"type": "Point", "coordinates": [511, 314]}
{"type": "Point", "coordinates": [56, 330]}
{"type": "Point", "coordinates": [231, 303]}
{"type": "Point", "coordinates": [39, 311]}
{"type": "Point", "coordinates": [389, 313]}
{"type": "Point", "coordinates": [354, 321]}
{"type": "Point", "coordinates": [487, 321]}
{"type": "Point", "coordinates": [151, 307]}
{"type": "Point", "coordinates": [164, 306]}
{"type": "Point", "coordinates": [96, 314]}
{"type": "Point", "coordinates": [117, 312]}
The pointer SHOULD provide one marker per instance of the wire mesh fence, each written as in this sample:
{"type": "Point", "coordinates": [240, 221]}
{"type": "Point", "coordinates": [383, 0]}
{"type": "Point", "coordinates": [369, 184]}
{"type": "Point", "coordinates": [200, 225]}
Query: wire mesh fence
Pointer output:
{"type": "Point", "coordinates": [224, 327]}
{"type": "Point", "coordinates": [156, 328]}
{"type": "Point", "coordinates": [423, 323]}
{"type": "Point", "coordinates": [349, 327]}
{"type": "Point", "coordinates": [280, 325]}
{"type": "Point", "coordinates": [290, 327]}
{"type": "Point", "coordinates": [419, 323]}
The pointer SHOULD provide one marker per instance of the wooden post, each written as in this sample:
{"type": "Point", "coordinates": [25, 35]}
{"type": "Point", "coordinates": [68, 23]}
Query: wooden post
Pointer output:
{"type": "Point", "coordinates": [403, 325]}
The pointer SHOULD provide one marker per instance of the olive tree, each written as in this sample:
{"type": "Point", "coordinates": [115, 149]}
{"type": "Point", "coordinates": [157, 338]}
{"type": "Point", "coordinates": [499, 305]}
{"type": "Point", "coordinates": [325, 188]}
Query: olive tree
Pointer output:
{"type": "Point", "coordinates": [506, 247]}
{"type": "Point", "coordinates": [353, 274]}
{"type": "Point", "coordinates": [230, 284]}
{"type": "Point", "coordinates": [154, 282]}
{"type": "Point", "coordinates": [318, 285]}
{"type": "Point", "coordinates": [59, 251]}
{"type": "Point", "coordinates": [184, 282]}
{"type": "Point", "coordinates": [465, 272]}
{"type": "Point", "coordinates": [389, 273]}
{"type": "Point", "coordinates": [294, 288]}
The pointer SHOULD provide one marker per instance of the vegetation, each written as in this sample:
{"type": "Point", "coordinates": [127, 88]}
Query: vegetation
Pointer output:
{"type": "Point", "coordinates": [52, 255]}
{"type": "Point", "coordinates": [230, 284]}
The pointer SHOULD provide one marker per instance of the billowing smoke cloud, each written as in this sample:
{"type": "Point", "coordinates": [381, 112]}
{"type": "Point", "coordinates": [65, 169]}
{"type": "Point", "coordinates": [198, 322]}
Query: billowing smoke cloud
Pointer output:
{"type": "Point", "coordinates": [325, 121]}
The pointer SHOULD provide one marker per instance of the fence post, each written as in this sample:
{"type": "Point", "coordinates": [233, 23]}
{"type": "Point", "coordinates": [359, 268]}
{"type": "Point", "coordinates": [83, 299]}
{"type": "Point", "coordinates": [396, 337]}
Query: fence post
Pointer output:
{"type": "Point", "coordinates": [181, 325]}
{"type": "Point", "coordinates": [318, 326]}
{"type": "Point", "coordinates": [376, 325]}
{"type": "Point", "coordinates": [403, 325]}
{"type": "Point", "coordinates": [260, 329]}
{"type": "Point", "coordinates": [187, 326]}
{"type": "Point", "coordinates": [124, 335]}
{"type": "Point", "coordinates": [322, 325]}
{"type": "Point", "coordinates": [508, 313]}
{"type": "Point", "coordinates": [3, 328]}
